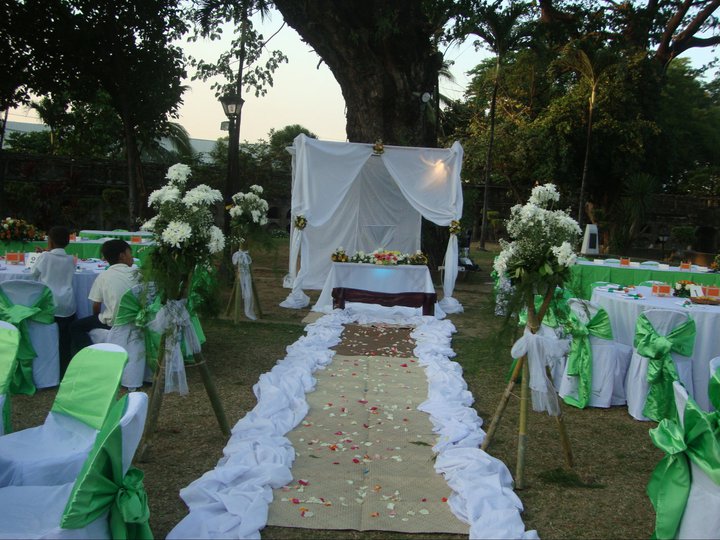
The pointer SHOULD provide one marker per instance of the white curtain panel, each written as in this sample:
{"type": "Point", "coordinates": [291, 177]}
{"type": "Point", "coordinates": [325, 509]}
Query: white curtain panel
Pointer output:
{"type": "Point", "coordinates": [359, 201]}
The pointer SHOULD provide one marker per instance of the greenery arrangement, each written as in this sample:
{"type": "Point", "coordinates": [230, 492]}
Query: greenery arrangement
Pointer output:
{"type": "Point", "coordinates": [19, 230]}
{"type": "Point", "coordinates": [184, 231]}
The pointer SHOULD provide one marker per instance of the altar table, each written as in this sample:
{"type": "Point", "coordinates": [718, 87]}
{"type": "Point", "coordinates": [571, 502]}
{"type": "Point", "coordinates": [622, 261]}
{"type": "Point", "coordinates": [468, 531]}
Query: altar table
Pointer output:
{"type": "Point", "coordinates": [387, 285]}
{"type": "Point", "coordinates": [585, 273]}
{"type": "Point", "coordinates": [623, 312]}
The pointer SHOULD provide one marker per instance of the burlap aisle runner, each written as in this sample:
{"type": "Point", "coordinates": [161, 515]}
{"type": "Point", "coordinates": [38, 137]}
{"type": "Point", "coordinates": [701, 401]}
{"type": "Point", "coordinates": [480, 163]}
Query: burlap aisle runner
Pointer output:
{"type": "Point", "coordinates": [364, 458]}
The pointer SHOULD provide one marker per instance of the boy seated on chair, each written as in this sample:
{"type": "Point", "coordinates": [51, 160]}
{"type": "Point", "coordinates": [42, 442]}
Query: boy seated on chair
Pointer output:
{"type": "Point", "coordinates": [106, 292]}
{"type": "Point", "coordinates": [56, 269]}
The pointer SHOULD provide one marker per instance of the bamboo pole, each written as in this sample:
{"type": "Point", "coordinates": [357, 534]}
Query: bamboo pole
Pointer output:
{"type": "Point", "coordinates": [522, 428]}
{"type": "Point", "coordinates": [155, 402]}
{"type": "Point", "coordinates": [503, 403]}
{"type": "Point", "coordinates": [212, 393]}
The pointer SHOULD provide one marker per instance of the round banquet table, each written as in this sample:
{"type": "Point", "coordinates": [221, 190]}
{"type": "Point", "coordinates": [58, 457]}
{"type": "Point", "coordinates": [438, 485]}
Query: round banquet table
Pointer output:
{"type": "Point", "coordinates": [624, 310]}
{"type": "Point", "coordinates": [83, 249]}
{"type": "Point", "coordinates": [83, 279]}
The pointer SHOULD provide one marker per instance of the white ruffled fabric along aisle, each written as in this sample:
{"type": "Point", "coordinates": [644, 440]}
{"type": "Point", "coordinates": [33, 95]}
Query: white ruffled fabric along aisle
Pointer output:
{"type": "Point", "coordinates": [231, 501]}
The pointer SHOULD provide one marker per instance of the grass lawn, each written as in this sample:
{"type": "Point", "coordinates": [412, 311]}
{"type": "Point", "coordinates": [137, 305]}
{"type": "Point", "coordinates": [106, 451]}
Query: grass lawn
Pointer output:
{"type": "Point", "coordinates": [603, 497]}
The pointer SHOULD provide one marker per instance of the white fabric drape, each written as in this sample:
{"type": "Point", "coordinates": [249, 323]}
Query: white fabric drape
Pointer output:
{"type": "Point", "coordinates": [242, 260]}
{"type": "Point", "coordinates": [542, 350]}
{"type": "Point", "coordinates": [174, 318]}
{"type": "Point", "coordinates": [347, 196]}
{"type": "Point", "coordinates": [295, 241]}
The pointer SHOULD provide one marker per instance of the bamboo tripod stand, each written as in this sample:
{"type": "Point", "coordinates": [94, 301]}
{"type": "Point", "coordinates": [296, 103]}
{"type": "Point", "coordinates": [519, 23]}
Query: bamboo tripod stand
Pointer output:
{"type": "Point", "coordinates": [521, 368]}
{"type": "Point", "coordinates": [158, 388]}
{"type": "Point", "coordinates": [234, 304]}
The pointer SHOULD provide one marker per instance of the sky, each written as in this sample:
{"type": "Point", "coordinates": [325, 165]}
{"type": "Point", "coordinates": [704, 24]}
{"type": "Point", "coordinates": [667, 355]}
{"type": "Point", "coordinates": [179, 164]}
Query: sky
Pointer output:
{"type": "Point", "coordinates": [304, 91]}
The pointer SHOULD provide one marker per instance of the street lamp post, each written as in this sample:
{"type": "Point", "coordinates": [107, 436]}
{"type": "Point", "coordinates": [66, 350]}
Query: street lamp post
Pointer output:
{"type": "Point", "coordinates": [232, 107]}
{"type": "Point", "coordinates": [662, 238]}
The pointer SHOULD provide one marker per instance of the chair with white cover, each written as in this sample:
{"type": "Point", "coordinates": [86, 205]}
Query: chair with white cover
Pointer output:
{"type": "Point", "coordinates": [54, 452]}
{"type": "Point", "coordinates": [596, 366]}
{"type": "Point", "coordinates": [105, 500]}
{"type": "Point", "coordinates": [663, 346]}
{"type": "Point", "coordinates": [9, 340]}
{"type": "Point", "coordinates": [30, 306]}
{"type": "Point", "coordinates": [137, 307]}
{"type": "Point", "coordinates": [685, 486]}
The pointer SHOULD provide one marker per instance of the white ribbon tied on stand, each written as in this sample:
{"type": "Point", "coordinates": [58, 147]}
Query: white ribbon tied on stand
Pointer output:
{"type": "Point", "coordinates": [542, 349]}
{"type": "Point", "coordinates": [174, 320]}
{"type": "Point", "coordinates": [242, 260]}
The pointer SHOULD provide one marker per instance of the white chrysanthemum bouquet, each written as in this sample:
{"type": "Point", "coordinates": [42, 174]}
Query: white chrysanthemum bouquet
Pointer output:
{"type": "Point", "coordinates": [184, 230]}
{"type": "Point", "coordinates": [248, 214]}
{"type": "Point", "coordinates": [540, 252]}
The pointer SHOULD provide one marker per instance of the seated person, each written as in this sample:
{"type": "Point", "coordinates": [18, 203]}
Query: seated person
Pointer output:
{"type": "Point", "coordinates": [56, 269]}
{"type": "Point", "coordinates": [107, 291]}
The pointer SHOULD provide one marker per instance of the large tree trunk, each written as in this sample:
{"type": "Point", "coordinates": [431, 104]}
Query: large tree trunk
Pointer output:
{"type": "Point", "coordinates": [136, 188]}
{"type": "Point", "coordinates": [383, 55]}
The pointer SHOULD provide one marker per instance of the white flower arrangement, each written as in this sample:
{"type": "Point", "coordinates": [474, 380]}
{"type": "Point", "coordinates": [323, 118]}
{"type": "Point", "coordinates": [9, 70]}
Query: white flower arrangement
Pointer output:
{"type": "Point", "coordinates": [248, 213]}
{"type": "Point", "coordinates": [183, 229]}
{"type": "Point", "coordinates": [542, 239]}
{"type": "Point", "coordinates": [178, 174]}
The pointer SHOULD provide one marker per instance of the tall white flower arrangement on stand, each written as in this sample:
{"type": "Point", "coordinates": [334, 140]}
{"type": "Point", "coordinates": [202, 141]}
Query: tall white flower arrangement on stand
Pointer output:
{"type": "Point", "coordinates": [186, 240]}
{"type": "Point", "coordinates": [536, 260]}
{"type": "Point", "coordinates": [248, 216]}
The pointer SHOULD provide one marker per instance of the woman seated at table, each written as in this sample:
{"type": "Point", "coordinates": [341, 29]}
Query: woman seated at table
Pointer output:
{"type": "Point", "coordinates": [55, 268]}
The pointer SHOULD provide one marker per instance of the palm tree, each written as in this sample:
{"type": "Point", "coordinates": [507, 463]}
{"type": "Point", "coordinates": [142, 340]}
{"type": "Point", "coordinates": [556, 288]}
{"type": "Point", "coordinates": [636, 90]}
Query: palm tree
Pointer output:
{"type": "Point", "coordinates": [591, 71]}
{"type": "Point", "coordinates": [502, 32]}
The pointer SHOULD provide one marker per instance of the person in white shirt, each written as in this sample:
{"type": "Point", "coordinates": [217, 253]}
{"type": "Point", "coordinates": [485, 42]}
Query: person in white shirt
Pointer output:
{"type": "Point", "coordinates": [106, 292]}
{"type": "Point", "coordinates": [56, 269]}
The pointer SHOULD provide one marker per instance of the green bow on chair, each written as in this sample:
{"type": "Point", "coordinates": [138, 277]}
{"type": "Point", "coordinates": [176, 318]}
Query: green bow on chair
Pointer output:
{"type": "Point", "coordinates": [669, 484]}
{"type": "Point", "coordinates": [102, 486]}
{"type": "Point", "coordinates": [9, 340]}
{"type": "Point", "coordinates": [43, 312]}
{"type": "Point", "coordinates": [579, 362]}
{"type": "Point", "coordinates": [661, 368]}
{"type": "Point", "coordinates": [139, 312]}
{"type": "Point", "coordinates": [557, 312]}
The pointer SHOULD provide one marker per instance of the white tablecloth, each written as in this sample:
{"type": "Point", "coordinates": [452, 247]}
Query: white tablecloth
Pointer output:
{"type": "Point", "coordinates": [82, 281]}
{"type": "Point", "coordinates": [624, 311]}
{"type": "Point", "coordinates": [375, 278]}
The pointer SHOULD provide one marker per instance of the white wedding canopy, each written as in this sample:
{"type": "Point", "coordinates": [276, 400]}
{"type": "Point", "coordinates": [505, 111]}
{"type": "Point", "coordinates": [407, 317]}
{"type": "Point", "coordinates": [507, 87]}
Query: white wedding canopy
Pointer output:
{"type": "Point", "coordinates": [355, 199]}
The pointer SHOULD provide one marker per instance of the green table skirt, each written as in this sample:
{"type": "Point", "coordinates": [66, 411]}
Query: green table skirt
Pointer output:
{"type": "Point", "coordinates": [584, 275]}
{"type": "Point", "coordinates": [84, 250]}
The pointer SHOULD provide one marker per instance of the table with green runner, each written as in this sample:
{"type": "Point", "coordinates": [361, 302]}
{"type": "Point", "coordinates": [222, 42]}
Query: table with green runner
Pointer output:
{"type": "Point", "coordinates": [90, 234]}
{"type": "Point", "coordinates": [584, 274]}
{"type": "Point", "coordinates": [84, 249]}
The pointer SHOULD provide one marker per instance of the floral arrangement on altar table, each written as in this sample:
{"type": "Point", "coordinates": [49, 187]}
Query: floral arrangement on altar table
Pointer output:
{"type": "Point", "coordinates": [19, 230]}
{"type": "Point", "coordinates": [681, 289]}
{"type": "Point", "coordinates": [248, 214]}
{"type": "Point", "coordinates": [380, 257]}
{"type": "Point", "coordinates": [184, 232]}
{"type": "Point", "coordinates": [540, 252]}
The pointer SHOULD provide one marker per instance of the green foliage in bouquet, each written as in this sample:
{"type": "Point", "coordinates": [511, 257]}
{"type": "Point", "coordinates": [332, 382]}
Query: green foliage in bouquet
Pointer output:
{"type": "Point", "coordinates": [185, 234]}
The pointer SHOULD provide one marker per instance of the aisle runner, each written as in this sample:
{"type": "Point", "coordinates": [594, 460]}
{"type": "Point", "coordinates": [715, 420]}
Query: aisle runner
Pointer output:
{"type": "Point", "coordinates": [231, 501]}
{"type": "Point", "coordinates": [364, 457]}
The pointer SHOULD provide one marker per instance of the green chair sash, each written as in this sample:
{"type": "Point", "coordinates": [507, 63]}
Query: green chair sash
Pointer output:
{"type": "Point", "coordinates": [661, 368]}
{"type": "Point", "coordinates": [90, 385]}
{"type": "Point", "coordinates": [714, 389]}
{"type": "Point", "coordinates": [9, 341]}
{"type": "Point", "coordinates": [557, 312]}
{"type": "Point", "coordinates": [579, 362]}
{"type": "Point", "coordinates": [134, 310]}
{"type": "Point", "coordinates": [43, 312]}
{"type": "Point", "coordinates": [669, 485]}
{"type": "Point", "coordinates": [101, 486]}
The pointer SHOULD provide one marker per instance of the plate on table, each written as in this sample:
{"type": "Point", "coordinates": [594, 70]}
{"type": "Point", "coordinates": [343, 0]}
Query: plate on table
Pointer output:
{"type": "Point", "coordinates": [705, 300]}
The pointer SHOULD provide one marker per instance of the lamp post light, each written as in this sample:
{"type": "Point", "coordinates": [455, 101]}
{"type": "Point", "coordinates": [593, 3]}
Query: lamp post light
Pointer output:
{"type": "Point", "coordinates": [232, 107]}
